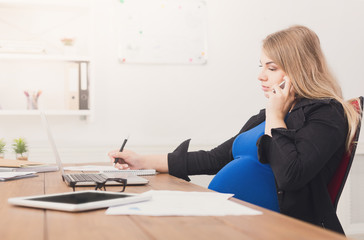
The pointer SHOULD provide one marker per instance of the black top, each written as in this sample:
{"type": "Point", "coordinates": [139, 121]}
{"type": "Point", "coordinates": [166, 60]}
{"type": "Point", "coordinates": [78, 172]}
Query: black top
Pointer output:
{"type": "Point", "coordinates": [303, 158]}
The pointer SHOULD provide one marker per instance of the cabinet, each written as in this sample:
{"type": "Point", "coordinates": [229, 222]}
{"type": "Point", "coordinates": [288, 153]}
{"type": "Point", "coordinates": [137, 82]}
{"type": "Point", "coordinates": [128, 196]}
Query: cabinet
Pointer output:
{"type": "Point", "coordinates": [46, 47]}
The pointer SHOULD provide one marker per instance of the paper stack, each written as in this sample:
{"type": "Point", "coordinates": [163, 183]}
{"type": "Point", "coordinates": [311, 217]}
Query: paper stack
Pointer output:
{"type": "Point", "coordinates": [6, 176]}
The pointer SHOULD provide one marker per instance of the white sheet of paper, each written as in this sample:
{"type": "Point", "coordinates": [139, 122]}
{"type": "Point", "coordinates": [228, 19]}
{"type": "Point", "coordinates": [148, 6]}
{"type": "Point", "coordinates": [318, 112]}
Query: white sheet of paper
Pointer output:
{"type": "Point", "coordinates": [178, 203]}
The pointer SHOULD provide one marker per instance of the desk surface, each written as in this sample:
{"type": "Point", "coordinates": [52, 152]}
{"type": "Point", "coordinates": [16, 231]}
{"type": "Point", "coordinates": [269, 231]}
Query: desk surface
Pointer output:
{"type": "Point", "coordinates": [27, 223]}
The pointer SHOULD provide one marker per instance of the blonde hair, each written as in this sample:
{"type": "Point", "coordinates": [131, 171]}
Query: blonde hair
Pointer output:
{"type": "Point", "coordinates": [298, 52]}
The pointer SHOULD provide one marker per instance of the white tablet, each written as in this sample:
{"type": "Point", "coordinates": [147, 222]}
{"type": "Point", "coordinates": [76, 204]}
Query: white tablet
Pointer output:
{"type": "Point", "coordinates": [79, 201]}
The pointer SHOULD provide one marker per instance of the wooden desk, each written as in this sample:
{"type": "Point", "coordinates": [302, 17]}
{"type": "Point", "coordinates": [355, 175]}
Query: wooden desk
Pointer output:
{"type": "Point", "coordinates": [36, 224]}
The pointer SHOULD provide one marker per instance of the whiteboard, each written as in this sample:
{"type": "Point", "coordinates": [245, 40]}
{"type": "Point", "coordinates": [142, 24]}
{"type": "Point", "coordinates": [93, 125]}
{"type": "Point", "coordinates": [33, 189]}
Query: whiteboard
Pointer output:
{"type": "Point", "coordinates": [161, 31]}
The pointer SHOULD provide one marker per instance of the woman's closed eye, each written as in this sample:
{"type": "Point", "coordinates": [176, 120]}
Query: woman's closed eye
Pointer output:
{"type": "Point", "coordinates": [270, 68]}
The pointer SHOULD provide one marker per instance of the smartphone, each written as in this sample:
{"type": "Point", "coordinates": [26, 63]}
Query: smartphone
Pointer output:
{"type": "Point", "coordinates": [282, 84]}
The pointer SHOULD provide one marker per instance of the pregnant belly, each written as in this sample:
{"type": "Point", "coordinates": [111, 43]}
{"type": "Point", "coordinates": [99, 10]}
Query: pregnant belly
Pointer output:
{"type": "Point", "coordinates": [249, 180]}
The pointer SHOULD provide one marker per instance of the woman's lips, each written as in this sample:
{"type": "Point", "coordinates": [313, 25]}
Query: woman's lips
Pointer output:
{"type": "Point", "coordinates": [265, 89]}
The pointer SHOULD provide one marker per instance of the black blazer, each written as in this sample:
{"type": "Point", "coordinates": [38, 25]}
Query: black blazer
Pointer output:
{"type": "Point", "coordinates": [303, 158]}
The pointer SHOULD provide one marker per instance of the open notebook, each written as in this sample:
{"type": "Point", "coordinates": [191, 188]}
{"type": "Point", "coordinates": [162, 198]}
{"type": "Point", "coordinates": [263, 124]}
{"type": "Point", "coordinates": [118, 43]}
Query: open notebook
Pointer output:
{"type": "Point", "coordinates": [111, 169]}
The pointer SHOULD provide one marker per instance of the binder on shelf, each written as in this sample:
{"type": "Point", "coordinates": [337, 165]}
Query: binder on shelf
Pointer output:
{"type": "Point", "coordinates": [72, 92]}
{"type": "Point", "coordinates": [83, 86]}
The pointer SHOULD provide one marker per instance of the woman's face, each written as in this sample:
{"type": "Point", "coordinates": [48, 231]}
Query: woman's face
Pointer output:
{"type": "Point", "coordinates": [270, 74]}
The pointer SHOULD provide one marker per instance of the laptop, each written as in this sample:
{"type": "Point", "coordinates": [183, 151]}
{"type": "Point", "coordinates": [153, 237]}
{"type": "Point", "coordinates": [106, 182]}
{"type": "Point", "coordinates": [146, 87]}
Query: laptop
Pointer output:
{"type": "Point", "coordinates": [88, 179]}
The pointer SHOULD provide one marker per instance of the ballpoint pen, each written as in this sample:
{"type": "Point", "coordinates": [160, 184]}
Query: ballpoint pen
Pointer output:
{"type": "Point", "coordinates": [121, 149]}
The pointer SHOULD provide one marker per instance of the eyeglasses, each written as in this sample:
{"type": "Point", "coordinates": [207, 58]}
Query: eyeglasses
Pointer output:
{"type": "Point", "coordinates": [102, 185]}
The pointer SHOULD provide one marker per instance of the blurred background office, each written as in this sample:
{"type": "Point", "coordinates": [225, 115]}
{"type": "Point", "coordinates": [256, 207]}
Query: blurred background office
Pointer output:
{"type": "Point", "coordinates": [159, 71]}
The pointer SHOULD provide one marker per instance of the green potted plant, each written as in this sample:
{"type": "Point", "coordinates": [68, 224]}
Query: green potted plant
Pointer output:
{"type": "Point", "coordinates": [20, 148]}
{"type": "Point", "coordinates": [2, 148]}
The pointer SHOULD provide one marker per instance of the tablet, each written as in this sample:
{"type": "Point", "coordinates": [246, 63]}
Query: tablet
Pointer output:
{"type": "Point", "coordinates": [79, 201]}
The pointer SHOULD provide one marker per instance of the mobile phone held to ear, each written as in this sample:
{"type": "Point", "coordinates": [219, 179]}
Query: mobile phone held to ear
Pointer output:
{"type": "Point", "coordinates": [282, 84]}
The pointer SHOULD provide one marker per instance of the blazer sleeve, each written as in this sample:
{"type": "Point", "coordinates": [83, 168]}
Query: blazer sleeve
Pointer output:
{"type": "Point", "coordinates": [182, 163]}
{"type": "Point", "coordinates": [297, 155]}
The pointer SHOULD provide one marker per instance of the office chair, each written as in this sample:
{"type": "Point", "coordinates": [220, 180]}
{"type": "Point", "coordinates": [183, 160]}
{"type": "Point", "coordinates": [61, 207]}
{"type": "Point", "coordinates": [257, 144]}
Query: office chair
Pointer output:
{"type": "Point", "coordinates": [337, 182]}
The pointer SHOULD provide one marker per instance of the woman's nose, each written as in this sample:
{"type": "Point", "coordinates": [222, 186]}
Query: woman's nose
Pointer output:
{"type": "Point", "coordinates": [262, 76]}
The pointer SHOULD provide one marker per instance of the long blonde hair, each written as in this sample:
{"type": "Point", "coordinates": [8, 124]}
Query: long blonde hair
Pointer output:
{"type": "Point", "coordinates": [298, 52]}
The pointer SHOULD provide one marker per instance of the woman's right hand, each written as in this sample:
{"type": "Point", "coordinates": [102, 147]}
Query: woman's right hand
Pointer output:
{"type": "Point", "coordinates": [280, 101]}
{"type": "Point", "coordinates": [131, 159]}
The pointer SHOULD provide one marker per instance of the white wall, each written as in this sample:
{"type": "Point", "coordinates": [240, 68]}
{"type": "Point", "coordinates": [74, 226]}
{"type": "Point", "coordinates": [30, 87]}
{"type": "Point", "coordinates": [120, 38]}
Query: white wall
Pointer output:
{"type": "Point", "coordinates": [162, 105]}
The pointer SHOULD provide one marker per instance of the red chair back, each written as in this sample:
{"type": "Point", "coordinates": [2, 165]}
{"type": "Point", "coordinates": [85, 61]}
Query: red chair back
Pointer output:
{"type": "Point", "coordinates": [338, 180]}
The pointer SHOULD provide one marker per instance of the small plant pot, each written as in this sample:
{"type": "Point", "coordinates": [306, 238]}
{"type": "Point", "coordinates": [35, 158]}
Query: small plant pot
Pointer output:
{"type": "Point", "coordinates": [23, 156]}
{"type": "Point", "coordinates": [20, 148]}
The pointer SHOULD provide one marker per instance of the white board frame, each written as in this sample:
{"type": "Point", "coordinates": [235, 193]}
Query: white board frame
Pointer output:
{"type": "Point", "coordinates": [162, 31]}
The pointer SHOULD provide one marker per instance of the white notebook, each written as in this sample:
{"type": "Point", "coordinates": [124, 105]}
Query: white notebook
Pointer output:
{"type": "Point", "coordinates": [141, 172]}
{"type": "Point", "coordinates": [110, 169]}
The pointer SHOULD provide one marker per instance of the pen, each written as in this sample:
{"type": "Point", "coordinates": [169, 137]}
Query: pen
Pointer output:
{"type": "Point", "coordinates": [121, 149]}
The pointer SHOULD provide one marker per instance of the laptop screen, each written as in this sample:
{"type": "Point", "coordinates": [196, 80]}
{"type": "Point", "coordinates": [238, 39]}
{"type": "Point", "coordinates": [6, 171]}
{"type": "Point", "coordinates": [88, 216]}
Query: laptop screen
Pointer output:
{"type": "Point", "coordinates": [51, 141]}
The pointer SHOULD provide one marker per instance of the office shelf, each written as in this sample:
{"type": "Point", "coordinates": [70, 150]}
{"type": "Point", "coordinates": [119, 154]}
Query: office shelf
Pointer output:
{"type": "Point", "coordinates": [36, 56]}
{"type": "Point", "coordinates": [44, 57]}
{"type": "Point", "coordinates": [46, 112]}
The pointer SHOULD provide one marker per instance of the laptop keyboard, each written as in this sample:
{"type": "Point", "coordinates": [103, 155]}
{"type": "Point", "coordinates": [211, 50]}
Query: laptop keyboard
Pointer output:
{"type": "Point", "coordinates": [88, 177]}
